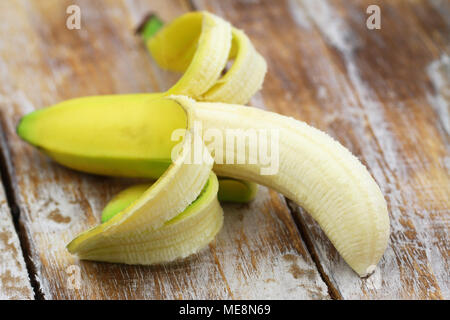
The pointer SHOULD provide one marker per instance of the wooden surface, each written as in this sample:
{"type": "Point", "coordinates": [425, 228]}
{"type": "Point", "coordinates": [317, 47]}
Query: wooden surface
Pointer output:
{"type": "Point", "coordinates": [14, 280]}
{"type": "Point", "coordinates": [383, 93]}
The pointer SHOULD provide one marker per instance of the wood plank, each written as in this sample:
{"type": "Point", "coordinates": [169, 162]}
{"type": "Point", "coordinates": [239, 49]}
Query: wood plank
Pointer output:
{"type": "Point", "coordinates": [258, 254]}
{"type": "Point", "coordinates": [382, 93]}
{"type": "Point", "coordinates": [14, 281]}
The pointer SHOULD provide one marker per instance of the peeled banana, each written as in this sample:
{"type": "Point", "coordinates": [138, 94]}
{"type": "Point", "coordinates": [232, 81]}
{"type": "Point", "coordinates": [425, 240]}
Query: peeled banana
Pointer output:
{"type": "Point", "coordinates": [309, 167]}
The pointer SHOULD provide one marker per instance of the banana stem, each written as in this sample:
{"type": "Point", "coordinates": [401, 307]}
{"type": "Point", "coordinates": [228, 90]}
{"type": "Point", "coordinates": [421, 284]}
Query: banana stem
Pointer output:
{"type": "Point", "coordinates": [149, 26]}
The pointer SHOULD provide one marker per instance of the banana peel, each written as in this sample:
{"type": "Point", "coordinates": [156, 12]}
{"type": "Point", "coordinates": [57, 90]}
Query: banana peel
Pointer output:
{"type": "Point", "coordinates": [230, 190]}
{"type": "Point", "coordinates": [105, 135]}
{"type": "Point", "coordinates": [200, 44]}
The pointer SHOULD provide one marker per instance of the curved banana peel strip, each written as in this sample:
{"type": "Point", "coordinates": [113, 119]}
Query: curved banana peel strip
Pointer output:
{"type": "Point", "coordinates": [175, 217]}
{"type": "Point", "coordinates": [196, 43]}
{"type": "Point", "coordinates": [122, 200]}
{"type": "Point", "coordinates": [245, 76]}
{"type": "Point", "coordinates": [116, 136]}
{"type": "Point", "coordinates": [200, 44]}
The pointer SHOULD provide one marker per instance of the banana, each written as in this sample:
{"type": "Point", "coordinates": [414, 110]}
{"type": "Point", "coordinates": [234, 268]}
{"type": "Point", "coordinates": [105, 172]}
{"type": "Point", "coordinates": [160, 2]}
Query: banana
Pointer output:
{"type": "Point", "coordinates": [131, 135]}
{"type": "Point", "coordinates": [175, 217]}
{"type": "Point", "coordinates": [313, 170]}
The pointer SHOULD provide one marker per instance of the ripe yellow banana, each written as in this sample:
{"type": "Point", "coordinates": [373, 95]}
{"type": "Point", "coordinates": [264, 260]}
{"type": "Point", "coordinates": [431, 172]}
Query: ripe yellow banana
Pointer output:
{"type": "Point", "coordinates": [175, 217]}
{"type": "Point", "coordinates": [313, 170]}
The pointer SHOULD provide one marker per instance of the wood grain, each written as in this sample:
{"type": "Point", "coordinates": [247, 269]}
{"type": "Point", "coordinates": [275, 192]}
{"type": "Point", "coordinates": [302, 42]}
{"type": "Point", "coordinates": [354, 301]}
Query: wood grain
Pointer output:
{"type": "Point", "coordinates": [384, 94]}
{"type": "Point", "coordinates": [258, 254]}
{"type": "Point", "coordinates": [14, 281]}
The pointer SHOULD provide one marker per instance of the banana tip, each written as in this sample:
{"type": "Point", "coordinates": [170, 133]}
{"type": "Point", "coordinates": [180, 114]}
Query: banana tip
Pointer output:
{"type": "Point", "coordinates": [369, 270]}
{"type": "Point", "coordinates": [25, 127]}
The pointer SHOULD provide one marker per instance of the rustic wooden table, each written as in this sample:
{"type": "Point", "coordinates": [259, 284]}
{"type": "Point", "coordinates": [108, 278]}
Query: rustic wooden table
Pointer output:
{"type": "Point", "coordinates": [383, 93]}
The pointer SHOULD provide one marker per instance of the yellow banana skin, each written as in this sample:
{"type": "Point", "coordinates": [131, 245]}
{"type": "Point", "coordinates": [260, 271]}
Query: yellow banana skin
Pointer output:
{"type": "Point", "coordinates": [235, 190]}
{"type": "Point", "coordinates": [200, 44]}
{"type": "Point", "coordinates": [315, 171]}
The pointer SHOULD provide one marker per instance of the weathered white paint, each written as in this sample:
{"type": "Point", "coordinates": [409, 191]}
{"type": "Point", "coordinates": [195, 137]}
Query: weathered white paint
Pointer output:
{"type": "Point", "coordinates": [384, 157]}
{"type": "Point", "coordinates": [14, 280]}
{"type": "Point", "coordinates": [439, 73]}
{"type": "Point", "coordinates": [298, 15]}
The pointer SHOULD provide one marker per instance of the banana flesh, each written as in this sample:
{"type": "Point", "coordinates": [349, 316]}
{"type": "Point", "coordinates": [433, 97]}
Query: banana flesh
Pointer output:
{"type": "Point", "coordinates": [199, 44]}
{"type": "Point", "coordinates": [230, 190]}
{"type": "Point", "coordinates": [174, 218]}
{"type": "Point", "coordinates": [316, 172]}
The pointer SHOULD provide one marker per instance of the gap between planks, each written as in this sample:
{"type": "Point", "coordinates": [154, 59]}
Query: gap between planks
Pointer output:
{"type": "Point", "coordinates": [308, 241]}
{"type": "Point", "coordinates": [6, 174]}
